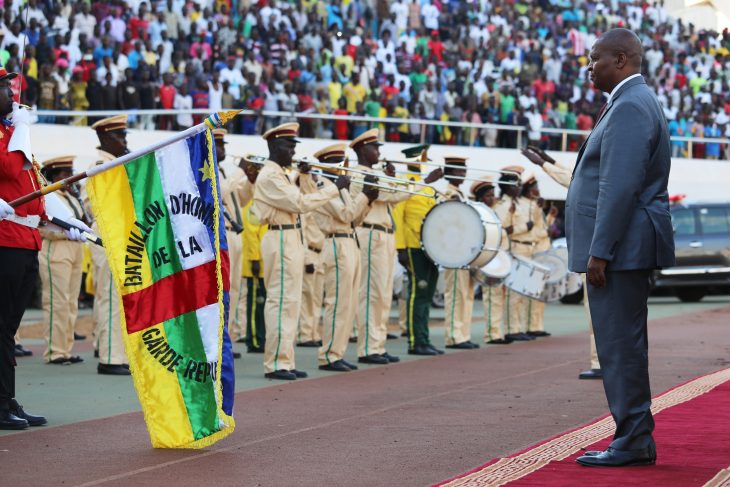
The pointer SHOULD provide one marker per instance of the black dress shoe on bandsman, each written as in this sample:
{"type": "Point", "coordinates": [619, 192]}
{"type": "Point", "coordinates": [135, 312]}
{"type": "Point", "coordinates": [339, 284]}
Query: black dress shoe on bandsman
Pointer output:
{"type": "Point", "coordinates": [75, 359]}
{"type": "Point", "coordinates": [236, 355]}
{"type": "Point", "coordinates": [96, 354]}
{"type": "Point", "coordinates": [348, 364]}
{"type": "Point", "coordinates": [299, 373]}
{"type": "Point", "coordinates": [591, 374]}
{"type": "Point", "coordinates": [60, 361]}
{"type": "Point", "coordinates": [391, 336]}
{"type": "Point", "coordinates": [404, 334]}
{"type": "Point", "coordinates": [500, 341]}
{"type": "Point", "coordinates": [391, 358]}
{"type": "Point", "coordinates": [33, 420]}
{"type": "Point", "coordinates": [538, 333]}
{"type": "Point", "coordinates": [21, 351]}
{"type": "Point", "coordinates": [473, 345]}
{"type": "Point", "coordinates": [78, 337]}
{"type": "Point", "coordinates": [422, 350]}
{"type": "Point", "coordinates": [336, 366]}
{"type": "Point", "coordinates": [373, 359]}
{"type": "Point", "coordinates": [619, 458]}
{"type": "Point", "coordinates": [281, 375]}
{"type": "Point", "coordinates": [112, 369]}
{"type": "Point", "coordinates": [520, 337]}
{"type": "Point", "coordinates": [309, 344]}
{"type": "Point", "coordinates": [438, 352]}
{"type": "Point", "coordinates": [353, 340]}
{"type": "Point", "coordinates": [460, 346]}
{"type": "Point", "coordinates": [9, 421]}
{"type": "Point", "coordinates": [255, 349]}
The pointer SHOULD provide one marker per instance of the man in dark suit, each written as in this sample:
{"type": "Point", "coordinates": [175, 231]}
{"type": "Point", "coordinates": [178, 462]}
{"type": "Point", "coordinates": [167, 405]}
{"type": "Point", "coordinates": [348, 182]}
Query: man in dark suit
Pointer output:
{"type": "Point", "coordinates": [619, 229]}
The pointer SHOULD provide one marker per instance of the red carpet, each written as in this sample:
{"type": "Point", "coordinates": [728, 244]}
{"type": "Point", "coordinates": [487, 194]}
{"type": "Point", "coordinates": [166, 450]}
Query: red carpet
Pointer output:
{"type": "Point", "coordinates": [693, 447]}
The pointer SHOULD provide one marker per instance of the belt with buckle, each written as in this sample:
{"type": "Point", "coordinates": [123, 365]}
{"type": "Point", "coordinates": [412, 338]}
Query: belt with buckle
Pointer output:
{"type": "Point", "coordinates": [316, 251]}
{"type": "Point", "coordinates": [524, 243]}
{"type": "Point", "coordinates": [340, 235]}
{"type": "Point", "coordinates": [291, 226]}
{"type": "Point", "coordinates": [373, 226]}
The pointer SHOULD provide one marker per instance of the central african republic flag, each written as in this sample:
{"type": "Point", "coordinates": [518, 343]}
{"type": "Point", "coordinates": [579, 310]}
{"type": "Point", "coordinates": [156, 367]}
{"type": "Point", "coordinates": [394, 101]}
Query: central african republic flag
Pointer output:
{"type": "Point", "coordinates": [160, 217]}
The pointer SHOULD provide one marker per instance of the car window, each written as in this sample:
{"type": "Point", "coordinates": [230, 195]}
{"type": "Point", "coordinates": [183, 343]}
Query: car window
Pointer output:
{"type": "Point", "coordinates": [714, 220]}
{"type": "Point", "coordinates": [683, 221]}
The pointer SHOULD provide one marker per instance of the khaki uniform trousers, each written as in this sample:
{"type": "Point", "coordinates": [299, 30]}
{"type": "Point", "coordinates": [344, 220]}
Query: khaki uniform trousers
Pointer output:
{"type": "Point", "coordinates": [283, 254]}
{"type": "Point", "coordinates": [240, 313]}
{"type": "Point", "coordinates": [341, 259]}
{"type": "Point", "coordinates": [402, 313]}
{"type": "Point", "coordinates": [458, 305]}
{"type": "Point", "coordinates": [310, 321]}
{"type": "Point", "coordinates": [59, 263]}
{"type": "Point", "coordinates": [595, 364]}
{"type": "Point", "coordinates": [107, 319]}
{"type": "Point", "coordinates": [377, 260]}
{"type": "Point", "coordinates": [493, 299]}
{"type": "Point", "coordinates": [535, 308]}
{"type": "Point", "coordinates": [236, 324]}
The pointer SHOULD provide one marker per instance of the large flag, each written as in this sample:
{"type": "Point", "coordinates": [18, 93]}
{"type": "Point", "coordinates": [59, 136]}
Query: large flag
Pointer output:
{"type": "Point", "coordinates": [160, 217]}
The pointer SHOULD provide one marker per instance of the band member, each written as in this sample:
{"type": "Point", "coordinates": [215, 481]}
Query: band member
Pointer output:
{"type": "Point", "coordinates": [493, 297]}
{"type": "Point", "coordinates": [253, 271]}
{"type": "Point", "coordinates": [562, 176]}
{"type": "Point", "coordinates": [541, 242]}
{"type": "Point", "coordinates": [377, 256]}
{"type": "Point", "coordinates": [278, 203]}
{"type": "Point", "coordinates": [310, 321]}
{"type": "Point", "coordinates": [422, 272]}
{"type": "Point", "coordinates": [60, 269]}
{"type": "Point", "coordinates": [112, 135]}
{"type": "Point", "coordinates": [459, 287]}
{"type": "Point", "coordinates": [236, 192]}
{"type": "Point", "coordinates": [341, 257]}
{"type": "Point", "coordinates": [513, 212]}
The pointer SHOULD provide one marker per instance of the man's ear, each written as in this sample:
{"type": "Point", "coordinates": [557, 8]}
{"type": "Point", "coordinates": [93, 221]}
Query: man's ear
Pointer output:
{"type": "Point", "coordinates": [621, 60]}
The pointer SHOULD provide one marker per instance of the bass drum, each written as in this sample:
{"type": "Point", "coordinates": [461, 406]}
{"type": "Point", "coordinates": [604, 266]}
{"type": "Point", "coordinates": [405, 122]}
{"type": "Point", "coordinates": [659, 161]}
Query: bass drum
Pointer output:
{"type": "Point", "coordinates": [456, 234]}
{"type": "Point", "coordinates": [494, 273]}
{"type": "Point", "coordinates": [555, 283]}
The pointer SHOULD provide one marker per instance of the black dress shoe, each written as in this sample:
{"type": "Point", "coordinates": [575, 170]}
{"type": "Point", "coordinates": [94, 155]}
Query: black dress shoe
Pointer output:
{"type": "Point", "coordinates": [336, 366]}
{"type": "Point", "coordinates": [473, 345]}
{"type": "Point", "coordinates": [500, 341]}
{"type": "Point", "coordinates": [319, 343]}
{"type": "Point", "coordinates": [373, 359]}
{"type": "Point", "coordinates": [538, 333]}
{"type": "Point", "coordinates": [281, 375]}
{"type": "Point", "coordinates": [309, 344]}
{"type": "Point", "coordinates": [18, 411]}
{"type": "Point", "coordinates": [96, 354]}
{"type": "Point", "coordinates": [112, 369]}
{"type": "Point", "coordinates": [352, 340]}
{"type": "Point", "coordinates": [460, 346]}
{"type": "Point", "coordinates": [519, 337]}
{"type": "Point", "coordinates": [255, 349]}
{"type": "Point", "coordinates": [438, 352]}
{"type": "Point", "coordinates": [236, 355]}
{"type": "Point", "coordinates": [9, 421]}
{"type": "Point", "coordinates": [422, 350]}
{"type": "Point", "coordinates": [75, 359]}
{"type": "Point", "coordinates": [391, 358]}
{"type": "Point", "coordinates": [404, 334]}
{"type": "Point", "coordinates": [619, 458]}
{"type": "Point", "coordinates": [348, 364]}
{"type": "Point", "coordinates": [591, 374]}
{"type": "Point", "coordinates": [391, 336]}
{"type": "Point", "coordinates": [79, 338]}
{"type": "Point", "coordinates": [60, 361]}
{"type": "Point", "coordinates": [299, 373]}
{"type": "Point", "coordinates": [21, 351]}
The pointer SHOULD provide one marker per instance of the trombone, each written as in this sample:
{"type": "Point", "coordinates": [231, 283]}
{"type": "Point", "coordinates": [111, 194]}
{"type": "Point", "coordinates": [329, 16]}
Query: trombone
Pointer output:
{"type": "Point", "coordinates": [448, 166]}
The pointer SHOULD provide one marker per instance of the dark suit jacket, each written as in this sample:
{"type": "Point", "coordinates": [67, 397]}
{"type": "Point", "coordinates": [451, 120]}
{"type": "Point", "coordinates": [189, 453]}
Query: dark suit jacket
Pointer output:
{"type": "Point", "coordinates": [617, 206]}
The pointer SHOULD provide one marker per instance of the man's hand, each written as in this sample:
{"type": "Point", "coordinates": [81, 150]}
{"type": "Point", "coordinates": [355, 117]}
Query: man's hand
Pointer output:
{"type": "Point", "coordinates": [434, 175]}
{"type": "Point", "coordinates": [553, 211]}
{"type": "Point", "coordinates": [342, 182]}
{"type": "Point", "coordinates": [256, 268]}
{"type": "Point", "coordinates": [303, 167]}
{"type": "Point", "coordinates": [512, 207]}
{"type": "Point", "coordinates": [541, 202]}
{"type": "Point", "coordinates": [371, 191]}
{"type": "Point", "coordinates": [5, 209]}
{"type": "Point", "coordinates": [536, 155]}
{"type": "Point", "coordinates": [309, 268]}
{"type": "Point", "coordinates": [510, 229]}
{"type": "Point", "coordinates": [530, 224]}
{"type": "Point", "coordinates": [78, 227]}
{"type": "Point", "coordinates": [597, 271]}
{"type": "Point", "coordinates": [403, 258]}
{"type": "Point", "coordinates": [389, 170]}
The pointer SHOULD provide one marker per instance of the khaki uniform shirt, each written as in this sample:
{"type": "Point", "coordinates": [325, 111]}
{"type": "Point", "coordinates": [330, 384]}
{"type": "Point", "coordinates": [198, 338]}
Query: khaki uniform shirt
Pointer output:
{"type": "Point", "coordinates": [381, 210]}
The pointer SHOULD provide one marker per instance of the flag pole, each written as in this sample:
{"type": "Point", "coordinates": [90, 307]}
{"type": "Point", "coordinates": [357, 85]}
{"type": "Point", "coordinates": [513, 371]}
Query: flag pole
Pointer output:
{"type": "Point", "coordinates": [216, 120]}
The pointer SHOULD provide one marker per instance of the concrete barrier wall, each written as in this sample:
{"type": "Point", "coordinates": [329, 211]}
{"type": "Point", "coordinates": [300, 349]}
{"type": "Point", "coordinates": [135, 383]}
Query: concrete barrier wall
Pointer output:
{"type": "Point", "coordinates": [700, 180]}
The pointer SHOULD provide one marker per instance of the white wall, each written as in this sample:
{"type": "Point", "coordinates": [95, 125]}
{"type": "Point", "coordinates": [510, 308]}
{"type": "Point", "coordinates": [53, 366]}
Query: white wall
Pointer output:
{"type": "Point", "coordinates": [698, 179]}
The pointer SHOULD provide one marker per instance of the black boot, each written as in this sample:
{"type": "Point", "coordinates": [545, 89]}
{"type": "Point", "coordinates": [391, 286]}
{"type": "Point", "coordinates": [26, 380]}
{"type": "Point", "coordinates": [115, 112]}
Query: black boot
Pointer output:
{"type": "Point", "coordinates": [17, 411]}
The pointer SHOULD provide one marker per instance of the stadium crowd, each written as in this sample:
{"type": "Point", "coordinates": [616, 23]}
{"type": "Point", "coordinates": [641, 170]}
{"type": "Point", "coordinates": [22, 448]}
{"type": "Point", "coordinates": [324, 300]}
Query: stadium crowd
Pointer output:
{"type": "Point", "coordinates": [507, 62]}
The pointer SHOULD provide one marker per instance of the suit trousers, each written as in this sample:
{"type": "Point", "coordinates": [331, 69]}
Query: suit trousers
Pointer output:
{"type": "Point", "coordinates": [619, 313]}
{"type": "Point", "coordinates": [493, 299]}
{"type": "Point", "coordinates": [18, 272]}
{"type": "Point", "coordinates": [59, 264]}
{"type": "Point", "coordinates": [310, 321]}
{"type": "Point", "coordinates": [255, 319]}
{"type": "Point", "coordinates": [341, 259]}
{"type": "Point", "coordinates": [107, 317]}
{"type": "Point", "coordinates": [422, 279]}
{"type": "Point", "coordinates": [458, 305]}
{"type": "Point", "coordinates": [377, 260]}
{"type": "Point", "coordinates": [236, 326]}
{"type": "Point", "coordinates": [283, 254]}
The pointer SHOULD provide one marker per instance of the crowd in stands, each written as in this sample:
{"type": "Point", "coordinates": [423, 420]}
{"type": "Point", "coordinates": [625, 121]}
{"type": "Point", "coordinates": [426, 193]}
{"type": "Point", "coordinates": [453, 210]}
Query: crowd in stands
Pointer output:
{"type": "Point", "coordinates": [506, 62]}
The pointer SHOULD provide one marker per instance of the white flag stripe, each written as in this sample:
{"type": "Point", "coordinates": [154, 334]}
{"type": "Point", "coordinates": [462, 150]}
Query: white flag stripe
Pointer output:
{"type": "Point", "coordinates": [208, 321]}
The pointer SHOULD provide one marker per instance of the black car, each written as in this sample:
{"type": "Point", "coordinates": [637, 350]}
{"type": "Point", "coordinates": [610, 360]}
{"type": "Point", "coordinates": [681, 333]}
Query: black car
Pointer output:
{"type": "Point", "coordinates": [702, 241]}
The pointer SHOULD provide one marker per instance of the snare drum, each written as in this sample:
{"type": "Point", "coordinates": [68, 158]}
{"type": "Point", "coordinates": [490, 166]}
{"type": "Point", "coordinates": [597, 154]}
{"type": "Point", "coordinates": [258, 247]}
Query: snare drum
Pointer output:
{"type": "Point", "coordinates": [527, 277]}
{"type": "Point", "coordinates": [555, 283]}
{"type": "Point", "coordinates": [495, 271]}
{"type": "Point", "coordinates": [573, 281]}
{"type": "Point", "coordinates": [456, 234]}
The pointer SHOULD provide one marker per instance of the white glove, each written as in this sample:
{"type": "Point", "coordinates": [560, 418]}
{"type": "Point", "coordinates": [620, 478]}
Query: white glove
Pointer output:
{"type": "Point", "coordinates": [5, 209]}
{"type": "Point", "coordinates": [75, 233]}
{"type": "Point", "coordinates": [20, 140]}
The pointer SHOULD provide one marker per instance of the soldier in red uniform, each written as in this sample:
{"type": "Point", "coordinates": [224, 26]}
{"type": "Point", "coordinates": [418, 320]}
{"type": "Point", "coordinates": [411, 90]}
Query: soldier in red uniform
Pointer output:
{"type": "Point", "coordinates": [19, 245]}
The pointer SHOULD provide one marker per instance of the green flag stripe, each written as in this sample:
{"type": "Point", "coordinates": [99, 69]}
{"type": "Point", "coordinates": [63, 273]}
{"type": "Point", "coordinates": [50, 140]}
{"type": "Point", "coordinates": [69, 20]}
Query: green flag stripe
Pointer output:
{"type": "Point", "coordinates": [152, 216]}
